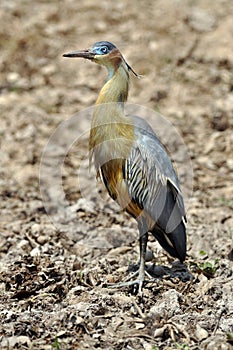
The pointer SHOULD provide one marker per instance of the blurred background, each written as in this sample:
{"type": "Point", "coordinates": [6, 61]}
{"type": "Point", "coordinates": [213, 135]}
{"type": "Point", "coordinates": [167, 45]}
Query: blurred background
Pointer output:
{"type": "Point", "coordinates": [183, 50]}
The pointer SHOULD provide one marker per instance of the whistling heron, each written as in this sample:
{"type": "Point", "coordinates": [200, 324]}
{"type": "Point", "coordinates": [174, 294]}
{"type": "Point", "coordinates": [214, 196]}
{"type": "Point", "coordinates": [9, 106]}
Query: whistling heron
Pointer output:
{"type": "Point", "coordinates": [132, 163]}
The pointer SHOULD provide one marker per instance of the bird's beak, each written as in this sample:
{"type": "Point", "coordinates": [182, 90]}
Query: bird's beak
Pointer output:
{"type": "Point", "coordinates": [88, 54]}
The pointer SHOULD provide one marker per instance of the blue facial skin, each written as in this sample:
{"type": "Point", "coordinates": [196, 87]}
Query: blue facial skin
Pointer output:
{"type": "Point", "coordinates": [103, 47]}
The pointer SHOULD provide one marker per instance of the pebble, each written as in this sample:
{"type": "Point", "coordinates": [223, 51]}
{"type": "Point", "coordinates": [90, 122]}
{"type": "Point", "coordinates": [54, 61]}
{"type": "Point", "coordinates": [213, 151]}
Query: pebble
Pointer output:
{"type": "Point", "coordinates": [13, 77]}
{"type": "Point", "coordinates": [35, 228]}
{"type": "Point", "coordinates": [201, 333]}
{"type": "Point", "coordinates": [23, 243]}
{"type": "Point", "coordinates": [213, 346]}
{"type": "Point", "coordinates": [201, 20]}
{"type": "Point", "coordinates": [25, 133]}
{"type": "Point", "coordinates": [230, 164]}
{"type": "Point", "coordinates": [35, 252]}
{"type": "Point", "coordinates": [159, 332]}
{"type": "Point", "coordinates": [168, 304]}
{"type": "Point", "coordinates": [139, 325]}
{"type": "Point", "coordinates": [15, 342]}
{"type": "Point", "coordinates": [147, 346]}
{"type": "Point", "coordinates": [16, 228]}
{"type": "Point", "coordinates": [42, 239]}
{"type": "Point", "coordinates": [48, 70]}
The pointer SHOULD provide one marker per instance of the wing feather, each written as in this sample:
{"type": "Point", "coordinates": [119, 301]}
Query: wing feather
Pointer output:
{"type": "Point", "coordinates": [151, 179]}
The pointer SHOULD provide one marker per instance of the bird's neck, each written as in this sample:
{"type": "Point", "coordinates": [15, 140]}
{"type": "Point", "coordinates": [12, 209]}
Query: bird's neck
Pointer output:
{"type": "Point", "coordinates": [112, 132]}
{"type": "Point", "coordinates": [109, 108]}
{"type": "Point", "coordinates": [116, 88]}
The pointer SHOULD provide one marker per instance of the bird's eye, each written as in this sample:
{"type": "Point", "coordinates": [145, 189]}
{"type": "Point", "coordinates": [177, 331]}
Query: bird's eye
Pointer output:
{"type": "Point", "coordinates": [104, 49]}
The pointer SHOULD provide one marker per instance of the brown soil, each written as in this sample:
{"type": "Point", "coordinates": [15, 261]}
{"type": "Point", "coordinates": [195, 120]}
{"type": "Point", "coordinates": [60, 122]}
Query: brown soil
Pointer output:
{"type": "Point", "coordinates": [53, 285]}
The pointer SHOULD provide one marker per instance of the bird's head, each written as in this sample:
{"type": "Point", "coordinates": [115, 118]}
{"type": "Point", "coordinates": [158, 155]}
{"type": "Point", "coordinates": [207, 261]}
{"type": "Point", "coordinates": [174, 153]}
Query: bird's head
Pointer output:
{"type": "Point", "coordinates": [103, 53]}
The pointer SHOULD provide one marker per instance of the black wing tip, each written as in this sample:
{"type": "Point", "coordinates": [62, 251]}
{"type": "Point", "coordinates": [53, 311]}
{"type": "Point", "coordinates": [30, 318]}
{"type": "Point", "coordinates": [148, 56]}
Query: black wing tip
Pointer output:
{"type": "Point", "coordinates": [181, 255]}
{"type": "Point", "coordinates": [177, 238]}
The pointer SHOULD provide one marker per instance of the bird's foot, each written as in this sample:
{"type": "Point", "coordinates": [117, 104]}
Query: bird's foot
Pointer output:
{"type": "Point", "coordinates": [136, 283]}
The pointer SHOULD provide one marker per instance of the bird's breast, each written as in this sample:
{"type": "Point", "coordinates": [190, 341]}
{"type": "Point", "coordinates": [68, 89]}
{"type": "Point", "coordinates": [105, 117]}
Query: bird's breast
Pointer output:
{"type": "Point", "coordinates": [110, 144]}
{"type": "Point", "coordinates": [112, 176]}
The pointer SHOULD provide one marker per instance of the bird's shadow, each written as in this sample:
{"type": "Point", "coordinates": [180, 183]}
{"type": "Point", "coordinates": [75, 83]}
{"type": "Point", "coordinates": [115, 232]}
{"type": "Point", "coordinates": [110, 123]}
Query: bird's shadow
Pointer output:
{"type": "Point", "coordinates": [177, 270]}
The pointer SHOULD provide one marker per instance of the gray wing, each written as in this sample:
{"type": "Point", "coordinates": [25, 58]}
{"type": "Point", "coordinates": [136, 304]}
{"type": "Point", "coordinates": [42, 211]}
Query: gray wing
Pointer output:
{"type": "Point", "coordinates": [151, 180]}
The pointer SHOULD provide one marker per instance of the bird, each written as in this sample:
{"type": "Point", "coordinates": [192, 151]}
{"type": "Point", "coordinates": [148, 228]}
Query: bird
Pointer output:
{"type": "Point", "coordinates": [132, 163]}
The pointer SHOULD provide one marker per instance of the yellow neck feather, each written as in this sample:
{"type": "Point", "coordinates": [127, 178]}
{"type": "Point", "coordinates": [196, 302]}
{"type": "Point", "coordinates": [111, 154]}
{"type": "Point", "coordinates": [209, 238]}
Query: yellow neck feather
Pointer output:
{"type": "Point", "coordinates": [116, 88]}
{"type": "Point", "coordinates": [109, 121]}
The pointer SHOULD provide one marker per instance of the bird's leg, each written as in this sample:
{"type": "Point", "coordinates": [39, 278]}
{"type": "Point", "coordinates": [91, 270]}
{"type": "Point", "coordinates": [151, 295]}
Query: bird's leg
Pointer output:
{"type": "Point", "coordinates": [140, 272]}
{"type": "Point", "coordinates": [143, 243]}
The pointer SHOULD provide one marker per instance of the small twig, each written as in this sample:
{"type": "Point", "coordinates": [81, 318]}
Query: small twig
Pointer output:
{"type": "Point", "coordinates": [139, 310]}
{"type": "Point", "coordinates": [181, 60]}
{"type": "Point", "coordinates": [218, 320]}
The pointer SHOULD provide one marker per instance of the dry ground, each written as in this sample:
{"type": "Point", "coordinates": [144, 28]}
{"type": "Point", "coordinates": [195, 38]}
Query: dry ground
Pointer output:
{"type": "Point", "coordinates": [54, 291]}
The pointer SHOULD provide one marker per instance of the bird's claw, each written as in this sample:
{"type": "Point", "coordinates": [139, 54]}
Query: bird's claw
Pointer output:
{"type": "Point", "coordinates": [134, 283]}
{"type": "Point", "coordinates": [137, 282]}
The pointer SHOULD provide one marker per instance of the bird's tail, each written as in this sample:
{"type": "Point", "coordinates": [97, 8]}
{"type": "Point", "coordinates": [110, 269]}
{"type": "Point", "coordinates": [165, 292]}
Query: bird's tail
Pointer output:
{"type": "Point", "coordinates": [173, 242]}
